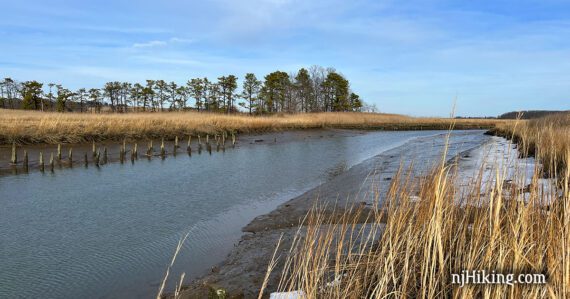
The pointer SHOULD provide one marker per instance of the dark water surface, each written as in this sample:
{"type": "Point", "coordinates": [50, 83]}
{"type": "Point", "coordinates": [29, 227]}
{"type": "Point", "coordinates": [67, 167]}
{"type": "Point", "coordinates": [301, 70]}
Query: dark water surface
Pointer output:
{"type": "Point", "coordinates": [111, 232]}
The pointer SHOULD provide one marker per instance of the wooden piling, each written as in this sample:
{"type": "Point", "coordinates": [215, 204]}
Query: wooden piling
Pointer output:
{"type": "Point", "coordinates": [97, 158]}
{"type": "Point", "coordinates": [70, 157]}
{"type": "Point", "coordinates": [105, 156]}
{"type": "Point", "coordinates": [14, 159]}
{"type": "Point", "coordinates": [59, 152]}
{"type": "Point", "coordinates": [94, 149]}
{"type": "Point", "coordinates": [176, 142]}
{"type": "Point", "coordinates": [149, 149]}
{"type": "Point", "coordinates": [189, 148]}
{"type": "Point", "coordinates": [134, 154]}
{"type": "Point", "coordinates": [162, 149]}
{"type": "Point", "coordinates": [41, 162]}
{"type": "Point", "coordinates": [233, 140]}
{"type": "Point", "coordinates": [51, 162]}
{"type": "Point", "coordinates": [123, 153]}
{"type": "Point", "coordinates": [25, 161]}
{"type": "Point", "coordinates": [85, 160]}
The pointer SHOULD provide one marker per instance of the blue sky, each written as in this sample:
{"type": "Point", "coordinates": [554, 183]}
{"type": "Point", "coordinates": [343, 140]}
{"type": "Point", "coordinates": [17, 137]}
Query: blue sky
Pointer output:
{"type": "Point", "coordinates": [410, 57]}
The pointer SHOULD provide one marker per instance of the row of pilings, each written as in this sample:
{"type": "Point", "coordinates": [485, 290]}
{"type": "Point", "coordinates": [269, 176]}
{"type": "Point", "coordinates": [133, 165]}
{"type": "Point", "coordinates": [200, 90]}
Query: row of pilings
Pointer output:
{"type": "Point", "coordinates": [99, 154]}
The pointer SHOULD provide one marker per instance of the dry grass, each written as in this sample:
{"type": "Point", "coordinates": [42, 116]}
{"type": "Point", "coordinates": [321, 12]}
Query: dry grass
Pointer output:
{"type": "Point", "coordinates": [547, 138]}
{"type": "Point", "coordinates": [40, 127]}
{"type": "Point", "coordinates": [410, 249]}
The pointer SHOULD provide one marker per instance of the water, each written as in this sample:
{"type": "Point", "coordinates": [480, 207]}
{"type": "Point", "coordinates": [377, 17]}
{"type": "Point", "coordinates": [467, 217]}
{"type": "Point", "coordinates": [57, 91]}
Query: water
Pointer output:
{"type": "Point", "coordinates": [111, 232]}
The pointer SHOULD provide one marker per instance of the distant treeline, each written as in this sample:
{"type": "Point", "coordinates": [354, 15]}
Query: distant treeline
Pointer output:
{"type": "Point", "coordinates": [529, 114]}
{"type": "Point", "coordinates": [316, 89]}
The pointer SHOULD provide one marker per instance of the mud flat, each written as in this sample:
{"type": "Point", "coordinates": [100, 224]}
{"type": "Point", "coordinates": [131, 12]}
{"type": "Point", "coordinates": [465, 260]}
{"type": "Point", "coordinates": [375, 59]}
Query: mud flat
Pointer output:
{"type": "Point", "coordinates": [242, 272]}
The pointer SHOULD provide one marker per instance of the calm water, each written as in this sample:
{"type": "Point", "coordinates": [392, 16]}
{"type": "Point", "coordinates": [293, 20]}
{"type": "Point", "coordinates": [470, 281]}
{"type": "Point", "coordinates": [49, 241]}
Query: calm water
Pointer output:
{"type": "Point", "coordinates": [110, 232]}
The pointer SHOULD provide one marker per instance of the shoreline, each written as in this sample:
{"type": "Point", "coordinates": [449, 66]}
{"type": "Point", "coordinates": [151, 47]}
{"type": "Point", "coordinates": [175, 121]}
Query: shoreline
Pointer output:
{"type": "Point", "coordinates": [29, 127]}
{"type": "Point", "coordinates": [243, 270]}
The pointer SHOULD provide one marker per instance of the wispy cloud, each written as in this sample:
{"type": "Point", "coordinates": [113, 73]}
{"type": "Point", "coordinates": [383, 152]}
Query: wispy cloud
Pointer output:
{"type": "Point", "coordinates": [150, 44]}
{"type": "Point", "coordinates": [161, 43]}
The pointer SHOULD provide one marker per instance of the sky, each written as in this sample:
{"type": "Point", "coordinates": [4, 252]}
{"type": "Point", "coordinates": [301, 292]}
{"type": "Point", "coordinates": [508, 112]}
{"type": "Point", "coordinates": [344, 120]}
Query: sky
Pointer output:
{"type": "Point", "coordinates": [415, 57]}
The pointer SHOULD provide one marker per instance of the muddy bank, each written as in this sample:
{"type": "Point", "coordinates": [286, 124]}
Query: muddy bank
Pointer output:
{"type": "Point", "coordinates": [243, 271]}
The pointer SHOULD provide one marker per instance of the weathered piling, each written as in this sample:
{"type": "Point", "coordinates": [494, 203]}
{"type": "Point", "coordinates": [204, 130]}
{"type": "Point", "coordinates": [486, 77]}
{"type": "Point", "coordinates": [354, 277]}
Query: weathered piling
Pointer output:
{"type": "Point", "coordinates": [59, 152]}
{"type": "Point", "coordinates": [123, 153]}
{"type": "Point", "coordinates": [85, 161]}
{"type": "Point", "coordinates": [176, 142]}
{"type": "Point", "coordinates": [70, 157]}
{"type": "Point", "coordinates": [233, 140]}
{"type": "Point", "coordinates": [93, 148]}
{"type": "Point", "coordinates": [134, 152]}
{"type": "Point", "coordinates": [25, 161]}
{"type": "Point", "coordinates": [14, 158]}
{"type": "Point", "coordinates": [51, 162]}
{"type": "Point", "coordinates": [189, 147]}
{"type": "Point", "coordinates": [199, 144]}
{"type": "Point", "coordinates": [97, 158]}
{"type": "Point", "coordinates": [41, 161]}
{"type": "Point", "coordinates": [150, 149]}
{"type": "Point", "coordinates": [209, 148]}
{"type": "Point", "coordinates": [162, 149]}
{"type": "Point", "coordinates": [105, 156]}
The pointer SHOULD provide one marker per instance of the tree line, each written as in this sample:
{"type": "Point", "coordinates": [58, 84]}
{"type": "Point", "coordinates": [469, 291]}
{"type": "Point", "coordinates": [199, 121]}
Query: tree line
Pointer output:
{"type": "Point", "coordinates": [315, 89]}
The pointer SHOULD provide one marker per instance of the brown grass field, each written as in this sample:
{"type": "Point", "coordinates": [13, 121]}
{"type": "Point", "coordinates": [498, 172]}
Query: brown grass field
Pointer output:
{"type": "Point", "coordinates": [27, 127]}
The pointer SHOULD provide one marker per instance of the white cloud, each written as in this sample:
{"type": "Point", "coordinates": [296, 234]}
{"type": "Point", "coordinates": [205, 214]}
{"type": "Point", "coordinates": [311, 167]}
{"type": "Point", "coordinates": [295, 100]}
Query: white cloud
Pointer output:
{"type": "Point", "coordinates": [151, 44]}
{"type": "Point", "coordinates": [162, 43]}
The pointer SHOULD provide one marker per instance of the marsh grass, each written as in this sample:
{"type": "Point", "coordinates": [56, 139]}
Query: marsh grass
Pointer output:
{"type": "Point", "coordinates": [547, 138]}
{"type": "Point", "coordinates": [410, 248]}
{"type": "Point", "coordinates": [27, 127]}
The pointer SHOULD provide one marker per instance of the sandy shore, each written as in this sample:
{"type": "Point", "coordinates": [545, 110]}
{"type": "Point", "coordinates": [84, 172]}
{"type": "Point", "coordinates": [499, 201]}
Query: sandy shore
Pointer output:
{"type": "Point", "coordinates": [243, 271]}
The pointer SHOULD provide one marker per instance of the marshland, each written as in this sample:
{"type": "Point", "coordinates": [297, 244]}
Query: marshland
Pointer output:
{"type": "Point", "coordinates": [284, 149]}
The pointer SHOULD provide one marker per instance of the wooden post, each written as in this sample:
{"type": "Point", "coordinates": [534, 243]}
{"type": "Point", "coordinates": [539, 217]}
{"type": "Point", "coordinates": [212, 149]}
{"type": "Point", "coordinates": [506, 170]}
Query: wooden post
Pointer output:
{"type": "Point", "coordinates": [86, 161]}
{"type": "Point", "coordinates": [59, 152]}
{"type": "Point", "coordinates": [51, 163]}
{"type": "Point", "coordinates": [70, 157]}
{"type": "Point", "coordinates": [14, 159]}
{"type": "Point", "coordinates": [150, 149]}
{"type": "Point", "coordinates": [233, 140]}
{"type": "Point", "coordinates": [189, 148]}
{"type": "Point", "coordinates": [123, 153]}
{"type": "Point", "coordinates": [176, 142]}
{"type": "Point", "coordinates": [162, 149]}
{"type": "Point", "coordinates": [105, 156]}
{"type": "Point", "coordinates": [25, 161]}
{"type": "Point", "coordinates": [41, 162]}
{"type": "Point", "coordinates": [97, 158]}
{"type": "Point", "coordinates": [199, 144]}
{"type": "Point", "coordinates": [94, 149]}
{"type": "Point", "coordinates": [134, 154]}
